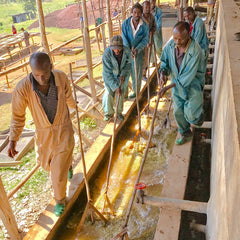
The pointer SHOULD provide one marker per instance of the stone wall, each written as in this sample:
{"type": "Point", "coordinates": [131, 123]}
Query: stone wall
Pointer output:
{"type": "Point", "coordinates": [224, 204]}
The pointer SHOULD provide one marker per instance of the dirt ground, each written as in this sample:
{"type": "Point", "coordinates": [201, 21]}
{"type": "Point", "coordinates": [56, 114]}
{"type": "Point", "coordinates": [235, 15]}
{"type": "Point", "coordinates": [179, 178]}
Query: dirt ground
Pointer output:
{"type": "Point", "coordinates": [69, 17]}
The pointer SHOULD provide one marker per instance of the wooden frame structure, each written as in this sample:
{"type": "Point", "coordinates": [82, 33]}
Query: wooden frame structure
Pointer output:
{"type": "Point", "coordinates": [6, 213]}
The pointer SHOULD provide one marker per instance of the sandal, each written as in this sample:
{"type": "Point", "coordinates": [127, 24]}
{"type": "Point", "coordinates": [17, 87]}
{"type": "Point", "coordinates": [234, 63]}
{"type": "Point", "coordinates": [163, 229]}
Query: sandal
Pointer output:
{"type": "Point", "coordinates": [59, 209]}
{"type": "Point", "coordinates": [180, 141]}
{"type": "Point", "coordinates": [70, 173]}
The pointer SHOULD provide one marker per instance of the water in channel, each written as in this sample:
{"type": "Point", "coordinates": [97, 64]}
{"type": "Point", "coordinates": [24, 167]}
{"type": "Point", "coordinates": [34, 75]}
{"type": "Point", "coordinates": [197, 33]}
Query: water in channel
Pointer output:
{"type": "Point", "coordinates": [125, 166]}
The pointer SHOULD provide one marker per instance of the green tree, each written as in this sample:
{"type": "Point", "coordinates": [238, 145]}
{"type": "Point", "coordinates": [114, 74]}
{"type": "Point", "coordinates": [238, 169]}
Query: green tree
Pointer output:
{"type": "Point", "coordinates": [30, 6]}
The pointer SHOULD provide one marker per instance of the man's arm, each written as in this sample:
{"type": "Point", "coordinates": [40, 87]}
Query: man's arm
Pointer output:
{"type": "Point", "coordinates": [108, 76]}
{"type": "Point", "coordinates": [19, 105]}
{"type": "Point", "coordinates": [125, 35]}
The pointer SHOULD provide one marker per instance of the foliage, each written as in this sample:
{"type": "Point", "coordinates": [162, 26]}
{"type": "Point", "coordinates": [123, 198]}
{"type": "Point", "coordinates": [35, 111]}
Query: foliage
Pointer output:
{"type": "Point", "coordinates": [30, 6]}
{"type": "Point", "coordinates": [88, 123]}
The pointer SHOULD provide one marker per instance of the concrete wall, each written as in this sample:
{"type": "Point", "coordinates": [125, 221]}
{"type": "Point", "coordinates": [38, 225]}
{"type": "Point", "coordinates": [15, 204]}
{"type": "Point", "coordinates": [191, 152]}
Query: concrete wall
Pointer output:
{"type": "Point", "coordinates": [224, 204]}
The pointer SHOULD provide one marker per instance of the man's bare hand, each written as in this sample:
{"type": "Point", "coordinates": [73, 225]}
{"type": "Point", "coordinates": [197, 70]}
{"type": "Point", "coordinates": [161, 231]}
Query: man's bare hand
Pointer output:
{"type": "Point", "coordinates": [119, 91]}
{"type": "Point", "coordinates": [163, 79]}
{"type": "Point", "coordinates": [134, 53]}
{"type": "Point", "coordinates": [12, 149]}
{"type": "Point", "coordinates": [162, 91]}
{"type": "Point", "coordinates": [122, 79]}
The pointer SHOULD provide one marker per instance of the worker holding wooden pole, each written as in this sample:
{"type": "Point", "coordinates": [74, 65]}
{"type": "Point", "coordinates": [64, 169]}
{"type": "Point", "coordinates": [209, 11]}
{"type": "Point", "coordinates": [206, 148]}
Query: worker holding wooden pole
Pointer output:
{"type": "Point", "coordinates": [157, 37]}
{"type": "Point", "coordinates": [182, 59]}
{"type": "Point", "coordinates": [150, 20]}
{"type": "Point", "coordinates": [135, 34]}
{"type": "Point", "coordinates": [48, 95]}
{"type": "Point", "coordinates": [116, 70]}
{"type": "Point", "coordinates": [198, 32]}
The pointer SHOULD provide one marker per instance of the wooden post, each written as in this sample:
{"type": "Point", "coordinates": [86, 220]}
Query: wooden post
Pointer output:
{"type": "Point", "coordinates": [110, 28]}
{"type": "Point", "coordinates": [42, 27]}
{"type": "Point", "coordinates": [181, 11]}
{"type": "Point", "coordinates": [88, 51]}
{"type": "Point", "coordinates": [100, 2]}
{"type": "Point", "coordinates": [123, 10]}
{"type": "Point", "coordinates": [7, 216]}
{"type": "Point", "coordinates": [97, 30]}
{"type": "Point", "coordinates": [81, 24]}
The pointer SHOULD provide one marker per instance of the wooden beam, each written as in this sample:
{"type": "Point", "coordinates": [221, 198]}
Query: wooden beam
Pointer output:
{"type": "Point", "coordinates": [4, 143]}
{"type": "Point", "coordinates": [110, 28]}
{"type": "Point", "coordinates": [192, 206]}
{"type": "Point", "coordinates": [7, 216]}
{"type": "Point", "coordinates": [10, 163]}
{"type": "Point", "coordinates": [83, 90]}
{"type": "Point", "coordinates": [66, 43]}
{"type": "Point", "coordinates": [123, 10]}
{"type": "Point", "coordinates": [10, 194]}
{"type": "Point", "coordinates": [25, 150]}
{"type": "Point", "coordinates": [42, 27]}
{"type": "Point", "coordinates": [88, 51]}
{"type": "Point", "coordinates": [100, 2]}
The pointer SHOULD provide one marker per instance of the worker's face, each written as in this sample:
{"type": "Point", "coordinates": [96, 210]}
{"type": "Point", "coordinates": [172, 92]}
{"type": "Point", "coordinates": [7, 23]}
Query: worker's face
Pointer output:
{"type": "Point", "coordinates": [146, 8]}
{"type": "Point", "coordinates": [42, 74]}
{"type": "Point", "coordinates": [136, 14]}
{"type": "Point", "coordinates": [189, 16]}
{"type": "Point", "coordinates": [152, 4]}
{"type": "Point", "coordinates": [117, 51]}
{"type": "Point", "coordinates": [181, 38]}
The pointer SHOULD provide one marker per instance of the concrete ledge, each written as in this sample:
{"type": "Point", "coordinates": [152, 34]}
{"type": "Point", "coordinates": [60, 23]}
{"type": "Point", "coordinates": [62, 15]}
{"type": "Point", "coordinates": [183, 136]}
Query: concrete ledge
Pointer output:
{"type": "Point", "coordinates": [174, 187]}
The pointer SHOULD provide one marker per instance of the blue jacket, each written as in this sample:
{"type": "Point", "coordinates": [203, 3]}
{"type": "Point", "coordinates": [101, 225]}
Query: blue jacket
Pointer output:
{"type": "Point", "coordinates": [111, 71]}
{"type": "Point", "coordinates": [141, 38]}
{"type": "Point", "coordinates": [158, 17]}
{"type": "Point", "coordinates": [191, 73]}
{"type": "Point", "coordinates": [199, 33]}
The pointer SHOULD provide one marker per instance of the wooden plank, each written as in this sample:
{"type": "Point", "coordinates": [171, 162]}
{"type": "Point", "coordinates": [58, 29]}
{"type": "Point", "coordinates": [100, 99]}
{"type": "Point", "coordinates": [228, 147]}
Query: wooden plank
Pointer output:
{"type": "Point", "coordinates": [10, 164]}
{"type": "Point", "coordinates": [7, 216]}
{"type": "Point", "coordinates": [174, 187]}
{"type": "Point", "coordinates": [186, 205]}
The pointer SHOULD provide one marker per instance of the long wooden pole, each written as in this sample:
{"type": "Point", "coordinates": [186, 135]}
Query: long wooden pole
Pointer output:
{"type": "Point", "coordinates": [123, 10]}
{"type": "Point", "coordinates": [100, 2]}
{"type": "Point", "coordinates": [88, 51]}
{"type": "Point", "coordinates": [90, 206]}
{"type": "Point", "coordinates": [7, 216]}
{"type": "Point", "coordinates": [42, 27]}
{"type": "Point", "coordinates": [81, 23]}
{"type": "Point", "coordinates": [111, 155]}
{"type": "Point", "coordinates": [140, 171]}
{"type": "Point", "coordinates": [110, 28]}
{"type": "Point", "coordinates": [10, 194]}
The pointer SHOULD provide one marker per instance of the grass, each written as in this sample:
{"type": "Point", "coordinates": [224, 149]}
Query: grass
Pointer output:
{"type": "Point", "coordinates": [6, 118]}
